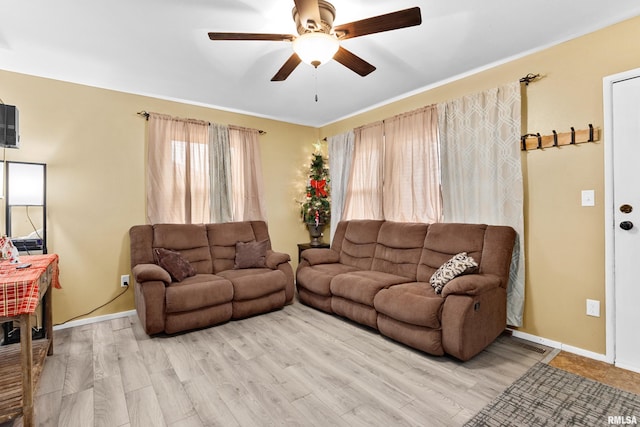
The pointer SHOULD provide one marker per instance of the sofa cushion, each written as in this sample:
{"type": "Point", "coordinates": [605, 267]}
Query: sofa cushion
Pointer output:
{"type": "Point", "coordinates": [399, 248]}
{"type": "Point", "coordinates": [317, 278]}
{"type": "Point", "coordinates": [445, 240]}
{"type": "Point", "coordinates": [414, 303]}
{"type": "Point", "coordinates": [362, 286]}
{"type": "Point", "coordinates": [188, 239]}
{"type": "Point", "coordinates": [458, 265]}
{"type": "Point", "coordinates": [359, 243]}
{"type": "Point", "coordinates": [201, 290]}
{"type": "Point", "coordinates": [222, 240]}
{"type": "Point", "coordinates": [254, 282]}
{"type": "Point", "coordinates": [178, 267]}
{"type": "Point", "coordinates": [250, 254]}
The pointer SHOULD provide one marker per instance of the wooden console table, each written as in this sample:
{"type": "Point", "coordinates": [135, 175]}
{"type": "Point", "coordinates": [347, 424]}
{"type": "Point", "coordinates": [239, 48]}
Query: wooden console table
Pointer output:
{"type": "Point", "coordinates": [21, 290]}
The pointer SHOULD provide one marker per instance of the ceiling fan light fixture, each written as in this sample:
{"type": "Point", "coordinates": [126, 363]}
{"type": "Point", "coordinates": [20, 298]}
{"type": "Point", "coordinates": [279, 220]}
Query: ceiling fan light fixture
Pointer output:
{"type": "Point", "coordinates": [316, 48]}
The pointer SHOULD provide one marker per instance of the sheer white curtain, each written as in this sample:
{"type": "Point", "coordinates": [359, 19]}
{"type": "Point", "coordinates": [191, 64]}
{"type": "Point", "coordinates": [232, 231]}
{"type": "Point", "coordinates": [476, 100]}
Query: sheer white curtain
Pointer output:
{"type": "Point", "coordinates": [177, 170]}
{"type": "Point", "coordinates": [481, 171]}
{"type": "Point", "coordinates": [411, 167]}
{"type": "Point", "coordinates": [364, 191]}
{"type": "Point", "coordinates": [340, 158]}
{"type": "Point", "coordinates": [246, 175]}
{"type": "Point", "coordinates": [220, 176]}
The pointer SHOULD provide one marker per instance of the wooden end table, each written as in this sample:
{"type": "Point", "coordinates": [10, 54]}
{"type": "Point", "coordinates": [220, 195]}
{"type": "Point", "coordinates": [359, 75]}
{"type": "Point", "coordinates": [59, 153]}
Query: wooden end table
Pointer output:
{"type": "Point", "coordinates": [21, 290]}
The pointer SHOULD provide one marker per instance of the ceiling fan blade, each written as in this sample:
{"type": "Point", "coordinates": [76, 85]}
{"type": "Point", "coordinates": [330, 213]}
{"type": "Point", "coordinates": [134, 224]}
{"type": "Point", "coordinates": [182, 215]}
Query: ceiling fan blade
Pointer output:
{"type": "Point", "coordinates": [309, 13]}
{"type": "Point", "coordinates": [353, 62]}
{"type": "Point", "coordinates": [252, 36]}
{"type": "Point", "coordinates": [378, 24]}
{"type": "Point", "coordinates": [287, 68]}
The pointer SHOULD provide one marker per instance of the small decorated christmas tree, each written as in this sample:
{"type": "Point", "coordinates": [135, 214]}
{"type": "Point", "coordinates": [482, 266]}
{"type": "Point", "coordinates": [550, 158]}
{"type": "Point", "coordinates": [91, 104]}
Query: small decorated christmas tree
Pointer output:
{"type": "Point", "coordinates": [316, 209]}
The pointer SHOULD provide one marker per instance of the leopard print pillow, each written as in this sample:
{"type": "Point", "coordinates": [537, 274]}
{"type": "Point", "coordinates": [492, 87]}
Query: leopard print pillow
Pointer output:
{"type": "Point", "coordinates": [458, 265]}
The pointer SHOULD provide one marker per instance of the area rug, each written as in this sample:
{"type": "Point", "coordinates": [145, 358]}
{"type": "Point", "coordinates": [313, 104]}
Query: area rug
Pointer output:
{"type": "Point", "coordinates": [548, 396]}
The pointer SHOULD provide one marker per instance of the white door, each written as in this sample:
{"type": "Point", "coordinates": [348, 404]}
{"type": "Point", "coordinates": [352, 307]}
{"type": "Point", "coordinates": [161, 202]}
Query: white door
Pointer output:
{"type": "Point", "coordinates": [625, 158]}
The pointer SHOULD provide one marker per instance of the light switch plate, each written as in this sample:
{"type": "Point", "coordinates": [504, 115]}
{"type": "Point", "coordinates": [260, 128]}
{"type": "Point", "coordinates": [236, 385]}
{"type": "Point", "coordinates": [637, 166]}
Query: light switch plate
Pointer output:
{"type": "Point", "coordinates": [588, 198]}
{"type": "Point", "coordinates": [593, 308]}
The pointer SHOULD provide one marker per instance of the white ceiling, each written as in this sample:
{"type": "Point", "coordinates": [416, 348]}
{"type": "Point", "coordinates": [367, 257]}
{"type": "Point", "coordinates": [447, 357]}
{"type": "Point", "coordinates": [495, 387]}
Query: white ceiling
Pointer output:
{"type": "Point", "coordinates": [160, 48]}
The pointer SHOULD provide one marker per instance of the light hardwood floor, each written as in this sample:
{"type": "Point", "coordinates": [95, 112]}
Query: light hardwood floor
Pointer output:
{"type": "Point", "coordinates": [293, 367]}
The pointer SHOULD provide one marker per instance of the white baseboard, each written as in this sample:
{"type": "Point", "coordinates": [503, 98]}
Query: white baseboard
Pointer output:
{"type": "Point", "coordinates": [536, 339]}
{"type": "Point", "coordinates": [632, 368]}
{"type": "Point", "coordinates": [96, 319]}
{"type": "Point", "coordinates": [586, 353]}
{"type": "Point", "coordinates": [560, 346]}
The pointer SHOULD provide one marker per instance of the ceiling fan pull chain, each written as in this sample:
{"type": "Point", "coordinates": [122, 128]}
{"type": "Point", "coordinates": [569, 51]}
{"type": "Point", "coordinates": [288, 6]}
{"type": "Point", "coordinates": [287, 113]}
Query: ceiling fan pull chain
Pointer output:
{"type": "Point", "coordinates": [315, 76]}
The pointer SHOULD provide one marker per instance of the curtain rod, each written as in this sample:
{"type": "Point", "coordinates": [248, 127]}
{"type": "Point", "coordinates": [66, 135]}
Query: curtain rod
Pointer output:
{"type": "Point", "coordinates": [529, 78]}
{"type": "Point", "coordinates": [146, 114]}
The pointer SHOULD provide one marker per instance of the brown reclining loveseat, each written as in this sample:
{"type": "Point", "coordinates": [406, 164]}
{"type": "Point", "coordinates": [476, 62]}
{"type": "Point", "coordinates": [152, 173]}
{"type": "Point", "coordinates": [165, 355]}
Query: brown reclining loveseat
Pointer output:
{"type": "Point", "coordinates": [230, 272]}
{"type": "Point", "coordinates": [378, 273]}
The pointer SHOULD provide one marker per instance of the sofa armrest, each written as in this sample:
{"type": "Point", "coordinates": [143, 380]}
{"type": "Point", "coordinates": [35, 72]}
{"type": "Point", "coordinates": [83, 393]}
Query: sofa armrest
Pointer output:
{"type": "Point", "coordinates": [148, 272]}
{"type": "Point", "coordinates": [320, 256]}
{"type": "Point", "coordinates": [471, 284]}
{"type": "Point", "coordinates": [274, 259]}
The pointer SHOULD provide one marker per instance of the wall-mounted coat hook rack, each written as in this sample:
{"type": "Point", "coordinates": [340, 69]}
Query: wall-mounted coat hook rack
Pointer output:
{"type": "Point", "coordinates": [532, 141]}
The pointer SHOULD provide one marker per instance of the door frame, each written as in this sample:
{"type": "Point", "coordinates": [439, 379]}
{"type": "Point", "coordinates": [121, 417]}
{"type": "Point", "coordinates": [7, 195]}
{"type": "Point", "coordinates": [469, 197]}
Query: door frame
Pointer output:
{"type": "Point", "coordinates": [609, 220]}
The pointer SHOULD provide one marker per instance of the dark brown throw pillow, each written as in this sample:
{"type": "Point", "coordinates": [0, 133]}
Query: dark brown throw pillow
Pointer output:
{"type": "Point", "coordinates": [251, 254]}
{"type": "Point", "coordinates": [178, 267]}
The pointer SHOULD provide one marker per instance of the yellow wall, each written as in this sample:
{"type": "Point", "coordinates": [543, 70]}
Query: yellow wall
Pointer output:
{"type": "Point", "coordinates": [93, 143]}
{"type": "Point", "coordinates": [564, 241]}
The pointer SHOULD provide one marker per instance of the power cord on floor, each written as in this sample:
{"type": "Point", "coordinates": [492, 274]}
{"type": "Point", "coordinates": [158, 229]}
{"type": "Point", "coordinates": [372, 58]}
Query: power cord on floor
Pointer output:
{"type": "Point", "coordinates": [95, 309]}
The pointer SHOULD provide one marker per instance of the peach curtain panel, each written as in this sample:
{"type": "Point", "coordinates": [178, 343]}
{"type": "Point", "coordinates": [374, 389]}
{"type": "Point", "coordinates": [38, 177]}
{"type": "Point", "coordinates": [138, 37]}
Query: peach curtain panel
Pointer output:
{"type": "Point", "coordinates": [364, 191]}
{"type": "Point", "coordinates": [411, 190]}
{"type": "Point", "coordinates": [177, 171]}
{"type": "Point", "coordinates": [482, 172]}
{"type": "Point", "coordinates": [199, 172]}
{"type": "Point", "coordinates": [395, 170]}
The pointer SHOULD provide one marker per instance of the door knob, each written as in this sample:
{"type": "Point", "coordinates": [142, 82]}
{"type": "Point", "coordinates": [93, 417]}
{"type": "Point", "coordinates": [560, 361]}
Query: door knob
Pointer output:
{"type": "Point", "coordinates": [626, 225]}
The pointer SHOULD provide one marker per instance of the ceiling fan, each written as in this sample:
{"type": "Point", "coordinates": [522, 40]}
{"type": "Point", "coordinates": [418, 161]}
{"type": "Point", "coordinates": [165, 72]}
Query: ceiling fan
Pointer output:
{"type": "Point", "coordinates": [318, 41]}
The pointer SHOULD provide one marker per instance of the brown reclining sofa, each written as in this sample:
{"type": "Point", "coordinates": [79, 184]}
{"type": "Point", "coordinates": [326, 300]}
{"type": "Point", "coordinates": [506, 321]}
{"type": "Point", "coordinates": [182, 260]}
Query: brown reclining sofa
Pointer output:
{"type": "Point", "coordinates": [234, 274]}
{"type": "Point", "coordinates": [377, 273]}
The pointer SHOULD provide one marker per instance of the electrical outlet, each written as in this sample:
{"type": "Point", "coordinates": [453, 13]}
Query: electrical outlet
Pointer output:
{"type": "Point", "coordinates": [124, 280]}
{"type": "Point", "coordinates": [588, 198]}
{"type": "Point", "coordinates": [593, 308]}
